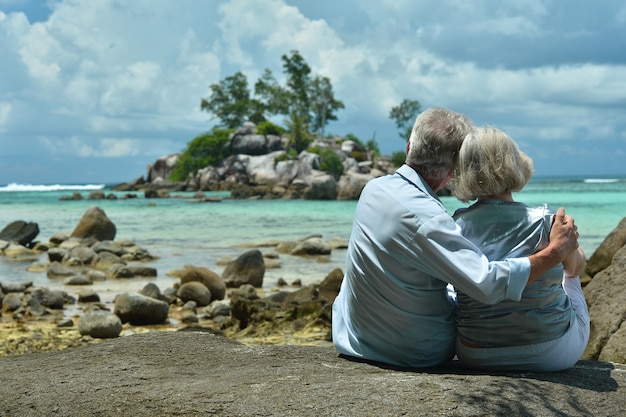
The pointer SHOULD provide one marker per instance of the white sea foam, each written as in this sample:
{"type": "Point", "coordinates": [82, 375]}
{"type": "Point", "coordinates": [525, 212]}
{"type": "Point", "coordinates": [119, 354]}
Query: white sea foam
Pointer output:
{"type": "Point", "coordinates": [13, 187]}
{"type": "Point", "coordinates": [600, 180]}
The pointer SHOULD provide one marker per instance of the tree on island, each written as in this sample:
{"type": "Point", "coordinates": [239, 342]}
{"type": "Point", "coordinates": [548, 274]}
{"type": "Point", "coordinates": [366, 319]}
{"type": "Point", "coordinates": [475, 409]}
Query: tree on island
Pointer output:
{"type": "Point", "coordinates": [307, 101]}
{"type": "Point", "coordinates": [404, 115]}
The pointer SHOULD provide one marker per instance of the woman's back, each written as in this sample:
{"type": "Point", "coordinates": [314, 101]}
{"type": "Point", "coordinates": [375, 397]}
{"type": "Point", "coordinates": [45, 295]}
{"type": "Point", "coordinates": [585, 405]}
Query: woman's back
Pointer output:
{"type": "Point", "coordinates": [507, 229]}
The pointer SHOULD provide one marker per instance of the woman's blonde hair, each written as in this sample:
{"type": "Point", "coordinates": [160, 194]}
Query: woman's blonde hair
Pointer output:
{"type": "Point", "coordinates": [489, 164]}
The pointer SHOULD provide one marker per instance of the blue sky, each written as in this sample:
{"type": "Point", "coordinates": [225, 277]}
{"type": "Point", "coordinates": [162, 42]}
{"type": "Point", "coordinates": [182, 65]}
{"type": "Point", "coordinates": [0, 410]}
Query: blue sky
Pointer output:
{"type": "Point", "coordinates": [94, 91]}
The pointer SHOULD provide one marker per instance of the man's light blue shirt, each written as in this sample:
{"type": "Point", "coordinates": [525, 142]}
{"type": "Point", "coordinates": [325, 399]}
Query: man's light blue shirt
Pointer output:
{"type": "Point", "coordinates": [393, 305]}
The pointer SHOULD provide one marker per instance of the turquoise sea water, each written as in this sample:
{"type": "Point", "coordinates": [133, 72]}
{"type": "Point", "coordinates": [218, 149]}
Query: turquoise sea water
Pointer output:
{"type": "Point", "coordinates": [182, 232]}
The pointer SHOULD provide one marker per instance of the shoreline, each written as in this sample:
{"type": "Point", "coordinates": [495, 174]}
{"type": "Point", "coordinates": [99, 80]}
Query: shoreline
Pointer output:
{"type": "Point", "coordinates": [57, 329]}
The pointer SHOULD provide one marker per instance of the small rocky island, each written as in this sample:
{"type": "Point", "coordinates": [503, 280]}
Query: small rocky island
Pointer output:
{"type": "Point", "coordinates": [260, 166]}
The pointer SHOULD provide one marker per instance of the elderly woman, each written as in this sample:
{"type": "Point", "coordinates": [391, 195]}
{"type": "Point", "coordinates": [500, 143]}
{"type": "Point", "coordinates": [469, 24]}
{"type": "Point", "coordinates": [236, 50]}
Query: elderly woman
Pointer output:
{"type": "Point", "coordinates": [548, 329]}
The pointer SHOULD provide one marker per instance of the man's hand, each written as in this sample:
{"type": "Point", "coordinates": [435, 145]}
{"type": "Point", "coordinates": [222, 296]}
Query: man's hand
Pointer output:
{"type": "Point", "coordinates": [563, 240]}
{"type": "Point", "coordinates": [564, 234]}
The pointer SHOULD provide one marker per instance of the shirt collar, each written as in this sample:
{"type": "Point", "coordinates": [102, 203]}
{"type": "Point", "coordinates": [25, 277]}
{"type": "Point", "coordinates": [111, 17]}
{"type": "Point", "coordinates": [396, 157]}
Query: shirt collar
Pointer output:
{"type": "Point", "coordinates": [410, 175]}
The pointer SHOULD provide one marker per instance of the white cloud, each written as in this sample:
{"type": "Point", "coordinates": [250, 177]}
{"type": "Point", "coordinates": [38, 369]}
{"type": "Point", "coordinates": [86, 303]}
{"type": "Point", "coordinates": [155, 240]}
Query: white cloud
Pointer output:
{"type": "Point", "coordinates": [5, 111]}
{"type": "Point", "coordinates": [101, 148]}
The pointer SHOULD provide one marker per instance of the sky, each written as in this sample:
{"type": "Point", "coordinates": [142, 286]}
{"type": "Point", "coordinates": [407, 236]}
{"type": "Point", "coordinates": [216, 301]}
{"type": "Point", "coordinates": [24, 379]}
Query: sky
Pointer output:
{"type": "Point", "coordinates": [92, 92]}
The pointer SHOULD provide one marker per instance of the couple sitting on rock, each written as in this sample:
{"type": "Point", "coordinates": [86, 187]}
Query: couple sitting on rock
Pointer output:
{"type": "Point", "coordinates": [517, 302]}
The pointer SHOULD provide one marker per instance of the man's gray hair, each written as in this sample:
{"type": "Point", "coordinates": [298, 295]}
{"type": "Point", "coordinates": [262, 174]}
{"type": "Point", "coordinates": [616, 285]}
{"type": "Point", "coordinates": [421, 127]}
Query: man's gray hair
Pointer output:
{"type": "Point", "coordinates": [436, 139]}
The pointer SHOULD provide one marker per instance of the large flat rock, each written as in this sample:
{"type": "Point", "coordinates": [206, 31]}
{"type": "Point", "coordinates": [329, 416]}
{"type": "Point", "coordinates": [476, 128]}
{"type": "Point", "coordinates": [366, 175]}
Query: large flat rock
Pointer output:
{"type": "Point", "coordinates": [197, 374]}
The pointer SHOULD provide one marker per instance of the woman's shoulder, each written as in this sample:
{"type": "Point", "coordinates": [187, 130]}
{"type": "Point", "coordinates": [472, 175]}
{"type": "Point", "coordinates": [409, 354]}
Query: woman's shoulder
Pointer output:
{"type": "Point", "coordinates": [542, 211]}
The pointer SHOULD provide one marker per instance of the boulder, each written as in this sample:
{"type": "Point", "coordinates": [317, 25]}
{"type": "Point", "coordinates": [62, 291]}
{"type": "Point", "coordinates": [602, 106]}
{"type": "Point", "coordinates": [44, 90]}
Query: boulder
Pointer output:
{"type": "Point", "coordinates": [34, 307]}
{"type": "Point", "coordinates": [100, 324]}
{"type": "Point", "coordinates": [80, 256]}
{"type": "Point", "coordinates": [311, 246]}
{"type": "Point", "coordinates": [20, 232]}
{"type": "Point", "coordinates": [48, 298]}
{"type": "Point", "coordinates": [120, 271]}
{"type": "Point", "coordinates": [262, 169]}
{"type": "Point", "coordinates": [194, 291]}
{"type": "Point", "coordinates": [162, 168]}
{"type": "Point", "coordinates": [219, 308]}
{"type": "Point", "coordinates": [108, 246]}
{"type": "Point", "coordinates": [329, 287]}
{"type": "Point", "coordinates": [132, 185]}
{"type": "Point", "coordinates": [142, 270]}
{"type": "Point", "coordinates": [350, 146]}
{"type": "Point", "coordinates": [95, 275]}
{"type": "Point", "coordinates": [286, 171]}
{"type": "Point", "coordinates": [338, 243]}
{"type": "Point", "coordinates": [138, 309]}
{"type": "Point", "coordinates": [95, 224]}
{"type": "Point", "coordinates": [153, 291]}
{"type": "Point", "coordinates": [58, 238]}
{"type": "Point", "coordinates": [321, 186]}
{"type": "Point", "coordinates": [88, 296]}
{"type": "Point", "coordinates": [20, 253]}
{"type": "Point", "coordinates": [96, 195]}
{"type": "Point", "coordinates": [56, 254]}
{"type": "Point", "coordinates": [606, 298]}
{"type": "Point", "coordinates": [57, 270]}
{"type": "Point", "coordinates": [77, 280]}
{"type": "Point", "coordinates": [351, 184]}
{"type": "Point", "coordinates": [245, 291]}
{"type": "Point", "coordinates": [254, 144]}
{"type": "Point", "coordinates": [248, 268]}
{"type": "Point", "coordinates": [107, 259]}
{"type": "Point", "coordinates": [12, 302]}
{"type": "Point", "coordinates": [210, 279]}
{"type": "Point", "coordinates": [16, 286]}
{"type": "Point", "coordinates": [76, 196]}
{"type": "Point", "coordinates": [602, 256]}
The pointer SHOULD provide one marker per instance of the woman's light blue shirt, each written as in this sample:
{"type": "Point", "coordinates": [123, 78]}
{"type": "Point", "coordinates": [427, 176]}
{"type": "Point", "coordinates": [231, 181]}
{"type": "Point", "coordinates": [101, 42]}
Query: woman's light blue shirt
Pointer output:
{"type": "Point", "coordinates": [504, 229]}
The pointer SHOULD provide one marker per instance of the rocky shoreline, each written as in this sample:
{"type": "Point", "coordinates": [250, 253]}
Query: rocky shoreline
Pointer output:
{"type": "Point", "coordinates": [36, 318]}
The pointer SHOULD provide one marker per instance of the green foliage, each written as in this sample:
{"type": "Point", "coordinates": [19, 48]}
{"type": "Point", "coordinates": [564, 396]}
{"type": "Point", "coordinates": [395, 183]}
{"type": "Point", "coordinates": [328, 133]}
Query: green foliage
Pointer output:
{"type": "Point", "coordinates": [230, 101]}
{"type": "Point", "coordinates": [372, 146]}
{"type": "Point", "coordinates": [291, 154]}
{"type": "Point", "coordinates": [398, 158]}
{"type": "Point", "coordinates": [298, 83]}
{"type": "Point", "coordinates": [404, 115]}
{"type": "Point", "coordinates": [353, 138]}
{"type": "Point", "coordinates": [310, 97]}
{"type": "Point", "coordinates": [299, 136]}
{"type": "Point", "coordinates": [270, 95]}
{"type": "Point", "coordinates": [323, 104]}
{"type": "Point", "coordinates": [204, 150]}
{"type": "Point", "coordinates": [269, 128]}
{"type": "Point", "coordinates": [331, 162]}
{"type": "Point", "coordinates": [281, 157]}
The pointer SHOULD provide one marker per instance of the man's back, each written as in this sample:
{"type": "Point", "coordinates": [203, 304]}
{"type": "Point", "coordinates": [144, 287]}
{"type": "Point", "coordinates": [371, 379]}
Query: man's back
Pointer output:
{"type": "Point", "coordinates": [390, 308]}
